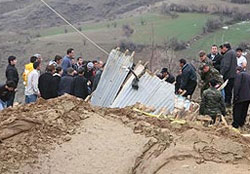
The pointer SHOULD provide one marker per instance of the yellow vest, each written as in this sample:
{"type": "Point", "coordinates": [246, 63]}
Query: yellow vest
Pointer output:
{"type": "Point", "coordinates": [27, 70]}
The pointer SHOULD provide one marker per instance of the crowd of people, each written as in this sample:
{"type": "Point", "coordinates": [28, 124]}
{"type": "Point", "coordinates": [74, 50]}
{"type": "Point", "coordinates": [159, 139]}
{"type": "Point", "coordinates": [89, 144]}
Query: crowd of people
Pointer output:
{"type": "Point", "coordinates": [80, 78]}
{"type": "Point", "coordinates": [226, 67]}
{"type": "Point", "coordinates": [62, 75]}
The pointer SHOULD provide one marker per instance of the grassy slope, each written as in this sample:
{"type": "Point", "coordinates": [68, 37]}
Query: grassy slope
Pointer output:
{"type": "Point", "coordinates": [236, 34]}
{"type": "Point", "coordinates": [184, 27]}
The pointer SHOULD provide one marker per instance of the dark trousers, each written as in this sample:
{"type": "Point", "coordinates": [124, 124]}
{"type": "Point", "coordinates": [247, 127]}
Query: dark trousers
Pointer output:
{"type": "Point", "coordinates": [240, 113]}
{"type": "Point", "coordinates": [229, 91]}
{"type": "Point", "coordinates": [190, 88]}
{"type": "Point", "coordinates": [10, 102]}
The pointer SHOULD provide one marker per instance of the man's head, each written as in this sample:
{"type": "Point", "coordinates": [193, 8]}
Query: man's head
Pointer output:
{"type": "Point", "coordinates": [202, 55]}
{"type": "Point", "coordinates": [70, 71]}
{"type": "Point", "coordinates": [80, 71]}
{"type": "Point", "coordinates": [239, 52]}
{"type": "Point", "coordinates": [12, 60]}
{"type": "Point", "coordinates": [37, 65]}
{"type": "Point", "coordinates": [239, 69]}
{"type": "Point", "coordinates": [95, 62]}
{"type": "Point", "coordinates": [58, 59]}
{"type": "Point", "coordinates": [226, 47]}
{"type": "Point", "coordinates": [80, 60]}
{"type": "Point", "coordinates": [59, 70]}
{"type": "Point", "coordinates": [206, 68]}
{"type": "Point", "coordinates": [33, 59]}
{"type": "Point", "coordinates": [100, 64]}
{"type": "Point", "coordinates": [90, 66]}
{"type": "Point", "coordinates": [10, 85]}
{"type": "Point", "coordinates": [39, 57]}
{"type": "Point", "coordinates": [214, 49]}
{"type": "Point", "coordinates": [213, 82]}
{"type": "Point", "coordinates": [182, 62]}
{"type": "Point", "coordinates": [164, 72]}
{"type": "Point", "coordinates": [71, 53]}
{"type": "Point", "coordinates": [50, 69]}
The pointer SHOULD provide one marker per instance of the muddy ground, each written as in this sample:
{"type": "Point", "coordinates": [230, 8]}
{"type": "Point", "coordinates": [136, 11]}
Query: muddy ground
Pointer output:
{"type": "Point", "coordinates": [67, 135]}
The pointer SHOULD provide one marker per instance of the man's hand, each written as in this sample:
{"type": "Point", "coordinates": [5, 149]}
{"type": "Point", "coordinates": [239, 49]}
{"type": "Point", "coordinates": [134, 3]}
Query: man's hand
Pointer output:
{"type": "Point", "coordinates": [180, 91]}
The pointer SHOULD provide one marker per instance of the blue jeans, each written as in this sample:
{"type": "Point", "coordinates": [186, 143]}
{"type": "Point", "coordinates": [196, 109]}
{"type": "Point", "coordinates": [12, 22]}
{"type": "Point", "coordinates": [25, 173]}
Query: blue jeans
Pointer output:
{"type": "Point", "coordinates": [30, 98]}
{"type": "Point", "coordinates": [2, 105]}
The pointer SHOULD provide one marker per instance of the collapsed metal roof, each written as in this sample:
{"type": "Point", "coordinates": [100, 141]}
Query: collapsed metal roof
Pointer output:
{"type": "Point", "coordinates": [115, 90]}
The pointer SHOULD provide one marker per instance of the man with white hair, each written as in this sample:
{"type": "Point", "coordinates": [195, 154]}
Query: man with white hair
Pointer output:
{"type": "Point", "coordinates": [39, 57]}
{"type": "Point", "coordinates": [89, 74]}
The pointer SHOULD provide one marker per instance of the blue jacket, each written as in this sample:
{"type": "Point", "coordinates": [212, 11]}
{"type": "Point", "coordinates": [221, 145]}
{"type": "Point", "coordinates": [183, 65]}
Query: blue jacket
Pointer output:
{"type": "Point", "coordinates": [66, 63]}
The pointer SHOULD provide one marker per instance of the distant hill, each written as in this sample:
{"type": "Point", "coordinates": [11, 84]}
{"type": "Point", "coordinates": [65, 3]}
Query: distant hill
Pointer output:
{"type": "Point", "coordinates": [30, 14]}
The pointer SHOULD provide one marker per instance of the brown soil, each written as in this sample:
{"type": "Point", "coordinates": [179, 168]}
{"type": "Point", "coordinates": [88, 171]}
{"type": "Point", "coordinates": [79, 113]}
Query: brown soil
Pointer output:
{"type": "Point", "coordinates": [67, 135]}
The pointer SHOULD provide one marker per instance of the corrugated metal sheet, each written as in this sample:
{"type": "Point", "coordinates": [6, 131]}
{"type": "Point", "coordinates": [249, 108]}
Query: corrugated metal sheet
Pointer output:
{"type": "Point", "coordinates": [152, 92]}
{"type": "Point", "coordinates": [113, 77]}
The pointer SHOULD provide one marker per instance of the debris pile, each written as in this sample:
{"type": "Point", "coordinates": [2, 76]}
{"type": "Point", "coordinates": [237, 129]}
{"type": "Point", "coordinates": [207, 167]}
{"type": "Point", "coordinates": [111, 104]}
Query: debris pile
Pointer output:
{"type": "Point", "coordinates": [28, 131]}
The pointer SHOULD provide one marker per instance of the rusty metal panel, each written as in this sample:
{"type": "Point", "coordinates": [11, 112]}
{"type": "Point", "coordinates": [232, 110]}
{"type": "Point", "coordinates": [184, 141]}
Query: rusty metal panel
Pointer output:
{"type": "Point", "coordinates": [114, 75]}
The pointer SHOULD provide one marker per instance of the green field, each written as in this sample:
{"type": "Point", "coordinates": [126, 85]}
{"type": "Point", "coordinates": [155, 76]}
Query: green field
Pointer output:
{"type": "Point", "coordinates": [184, 27]}
{"type": "Point", "coordinates": [235, 34]}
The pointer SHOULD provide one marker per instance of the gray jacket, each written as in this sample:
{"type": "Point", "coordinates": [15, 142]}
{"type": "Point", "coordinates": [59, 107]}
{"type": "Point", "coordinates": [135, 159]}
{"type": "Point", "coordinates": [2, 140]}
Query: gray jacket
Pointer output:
{"type": "Point", "coordinates": [229, 64]}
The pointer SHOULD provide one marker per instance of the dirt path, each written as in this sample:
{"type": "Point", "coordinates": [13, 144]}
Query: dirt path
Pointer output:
{"type": "Point", "coordinates": [103, 146]}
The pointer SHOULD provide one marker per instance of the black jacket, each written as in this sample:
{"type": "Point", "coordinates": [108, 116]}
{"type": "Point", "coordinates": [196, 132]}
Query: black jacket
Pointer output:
{"type": "Point", "coordinates": [5, 94]}
{"type": "Point", "coordinates": [216, 60]}
{"type": "Point", "coordinates": [12, 74]}
{"type": "Point", "coordinates": [65, 85]}
{"type": "Point", "coordinates": [56, 81]}
{"type": "Point", "coordinates": [170, 79]}
{"type": "Point", "coordinates": [45, 85]}
{"type": "Point", "coordinates": [242, 87]}
{"type": "Point", "coordinates": [228, 65]}
{"type": "Point", "coordinates": [188, 75]}
{"type": "Point", "coordinates": [80, 87]}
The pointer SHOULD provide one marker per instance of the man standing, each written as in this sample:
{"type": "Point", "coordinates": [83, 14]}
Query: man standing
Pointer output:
{"type": "Point", "coordinates": [65, 85]}
{"type": "Point", "coordinates": [166, 76]}
{"type": "Point", "coordinates": [241, 60]}
{"type": "Point", "coordinates": [212, 102]}
{"type": "Point", "coordinates": [12, 75]}
{"type": "Point", "coordinates": [216, 57]}
{"type": "Point", "coordinates": [31, 91]}
{"type": "Point", "coordinates": [67, 60]}
{"type": "Point", "coordinates": [45, 83]}
{"type": "Point", "coordinates": [79, 63]}
{"type": "Point", "coordinates": [6, 92]}
{"type": "Point", "coordinates": [241, 97]}
{"type": "Point", "coordinates": [188, 78]}
{"type": "Point", "coordinates": [228, 70]}
{"type": "Point", "coordinates": [79, 86]}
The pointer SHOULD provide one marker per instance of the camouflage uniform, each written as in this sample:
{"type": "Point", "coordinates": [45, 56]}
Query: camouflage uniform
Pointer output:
{"type": "Point", "coordinates": [212, 103]}
{"type": "Point", "coordinates": [206, 77]}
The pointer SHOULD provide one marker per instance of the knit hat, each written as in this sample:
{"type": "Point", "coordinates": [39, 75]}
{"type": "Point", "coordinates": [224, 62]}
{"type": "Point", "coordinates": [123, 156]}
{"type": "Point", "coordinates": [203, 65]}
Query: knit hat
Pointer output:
{"type": "Point", "coordinates": [90, 65]}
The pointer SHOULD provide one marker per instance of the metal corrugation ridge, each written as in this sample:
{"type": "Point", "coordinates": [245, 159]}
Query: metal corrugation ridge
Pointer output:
{"type": "Point", "coordinates": [112, 78]}
{"type": "Point", "coordinates": [152, 92]}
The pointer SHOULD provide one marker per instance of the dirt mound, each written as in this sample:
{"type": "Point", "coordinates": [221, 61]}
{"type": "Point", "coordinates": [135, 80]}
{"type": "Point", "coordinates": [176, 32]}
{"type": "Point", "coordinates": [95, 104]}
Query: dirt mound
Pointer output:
{"type": "Point", "coordinates": [68, 135]}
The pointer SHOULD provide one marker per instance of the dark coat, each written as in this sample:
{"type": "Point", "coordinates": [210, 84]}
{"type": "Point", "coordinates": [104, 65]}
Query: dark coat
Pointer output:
{"type": "Point", "coordinates": [56, 81]}
{"type": "Point", "coordinates": [5, 94]}
{"type": "Point", "coordinates": [242, 87]}
{"type": "Point", "coordinates": [216, 60]}
{"type": "Point", "coordinates": [97, 79]}
{"type": "Point", "coordinates": [228, 65]}
{"type": "Point", "coordinates": [170, 79]}
{"type": "Point", "coordinates": [80, 87]}
{"type": "Point", "coordinates": [45, 85]}
{"type": "Point", "coordinates": [65, 85]}
{"type": "Point", "coordinates": [12, 74]}
{"type": "Point", "coordinates": [178, 83]}
{"type": "Point", "coordinates": [188, 79]}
